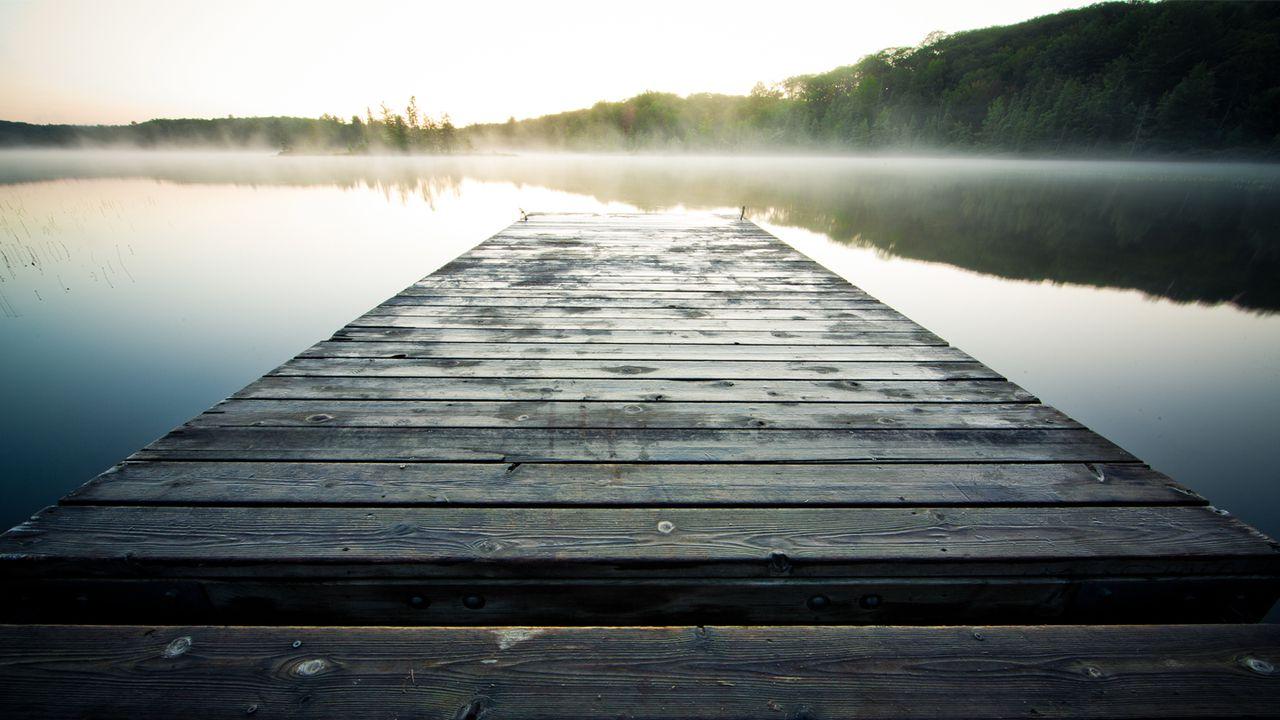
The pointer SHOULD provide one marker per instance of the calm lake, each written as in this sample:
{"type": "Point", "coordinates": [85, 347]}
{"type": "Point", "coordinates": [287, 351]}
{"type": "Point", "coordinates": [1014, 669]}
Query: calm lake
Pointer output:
{"type": "Point", "coordinates": [137, 289]}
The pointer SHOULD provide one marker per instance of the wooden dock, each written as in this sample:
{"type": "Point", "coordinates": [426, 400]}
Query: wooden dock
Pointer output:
{"type": "Point", "coordinates": [643, 466]}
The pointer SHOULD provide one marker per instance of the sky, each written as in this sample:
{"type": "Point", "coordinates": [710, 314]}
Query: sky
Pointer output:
{"type": "Point", "coordinates": [116, 61]}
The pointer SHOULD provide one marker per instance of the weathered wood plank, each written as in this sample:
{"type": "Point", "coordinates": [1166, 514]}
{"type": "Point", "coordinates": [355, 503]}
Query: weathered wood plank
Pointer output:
{"type": "Point", "coordinates": [398, 306]}
{"type": "Point", "coordinates": [554, 276]}
{"type": "Point", "coordinates": [660, 343]}
{"type": "Point", "coordinates": [632, 445]}
{"type": "Point", "coordinates": [544, 313]}
{"type": "Point", "coordinates": [424, 542]}
{"type": "Point", "coordinates": [586, 354]}
{"type": "Point", "coordinates": [524, 265]}
{"type": "Point", "coordinates": [376, 346]}
{"type": "Point", "coordinates": [638, 484]}
{"type": "Point", "coordinates": [634, 390]}
{"type": "Point", "coordinates": [618, 415]}
{"type": "Point", "coordinates": [776, 305]}
{"type": "Point", "coordinates": [688, 294]}
{"type": "Point", "coordinates": [599, 264]}
{"type": "Point", "coordinates": [604, 323]}
{"type": "Point", "coordinates": [658, 672]}
{"type": "Point", "coordinates": [664, 291]}
{"type": "Point", "coordinates": [677, 370]}
{"type": "Point", "coordinates": [646, 287]}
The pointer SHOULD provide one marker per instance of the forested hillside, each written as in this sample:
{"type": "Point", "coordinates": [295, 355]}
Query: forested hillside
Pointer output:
{"type": "Point", "coordinates": [1171, 78]}
{"type": "Point", "coordinates": [1133, 77]}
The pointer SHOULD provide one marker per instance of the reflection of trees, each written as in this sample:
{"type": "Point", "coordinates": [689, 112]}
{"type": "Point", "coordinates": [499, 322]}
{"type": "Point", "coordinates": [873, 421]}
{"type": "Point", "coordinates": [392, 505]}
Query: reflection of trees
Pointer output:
{"type": "Point", "coordinates": [1208, 233]}
{"type": "Point", "coordinates": [396, 178]}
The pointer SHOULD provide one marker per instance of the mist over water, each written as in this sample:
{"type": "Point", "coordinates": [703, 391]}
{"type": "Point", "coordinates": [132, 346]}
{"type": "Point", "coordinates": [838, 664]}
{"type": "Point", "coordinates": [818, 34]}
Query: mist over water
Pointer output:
{"type": "Point", "coordinates": [138, 288]}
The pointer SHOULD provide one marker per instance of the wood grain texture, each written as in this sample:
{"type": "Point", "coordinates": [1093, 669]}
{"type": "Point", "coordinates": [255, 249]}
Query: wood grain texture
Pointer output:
{"type": "Point", "coordinates": [424, 542]}
{"type": "Point", "coordinates": [618, 415]}
{"type": "Point", "coordinates": [636, 484]}
{"type": "Point", "coordinates": [668, 286]}
{"type": "Point", "coordinates": [420, 444]}
{"type": "Point", "coordinates": [608, 354]}
{"type": "Point", "coordinates": [637, 389]}
{"type": "Point", "coordinates": [586, 323]}
{"type": "Point", "coordinates": [786, 301]}
{"type": "Point", "coordinates": [403, 309]}
{"type": "Point", "coordinates": [671, 369]}
{"type": "Point", "coordinates": [659, 344]}
{"type": "Point", "coordinates": [657, 672]}
{"type": "Point", "coordinates": [415, 305]}
{"type": "Point", "coordinates": [669, 292]}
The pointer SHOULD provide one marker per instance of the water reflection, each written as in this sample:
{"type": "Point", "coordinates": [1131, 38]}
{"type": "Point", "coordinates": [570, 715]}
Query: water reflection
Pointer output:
{"type": "Point", "coordinates": [137, 289]}
{"type": "Point", "coordinates": [1184, 231]}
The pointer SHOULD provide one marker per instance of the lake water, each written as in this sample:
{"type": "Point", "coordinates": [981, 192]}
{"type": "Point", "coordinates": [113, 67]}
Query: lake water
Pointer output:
{"type": "Point", "coordinates": [137, 289]}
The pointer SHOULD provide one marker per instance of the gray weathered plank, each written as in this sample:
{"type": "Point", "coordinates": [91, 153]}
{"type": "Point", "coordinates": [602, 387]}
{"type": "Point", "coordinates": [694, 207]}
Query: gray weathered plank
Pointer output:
{"type": "Point", "coordinates": [553, 275]}
{"type": "Point", "coordinates": [634, 390]}
{"type": "Point", "coordinates": [604, 305]}
{"type": "Point", "coordinates": [668, 369]}
{"type": "Point", "coordinates": [671, 673]}
{"type": "Point", "coordinates": [410, 306]}
{"type": "Point", "coordinates": [663, 343]}
{"type": "Point", "coordinates": [671, 289]}
{"type": "Point", "coordinates": [543, 313]}
{"type": "Point", "coordinates": [619, 415]}
{"type": "Point", "coordinates": [636, 484]}
{"type": "Point", "coordinates": [375, 346]}
{"type": "Point", "coordinates": [685, 295]}
{"type": "Point", "coordinates": [631, 445]}
{"type": "Point", "coordinates": [668, 542]}
{"type": "Point", "coordinates": [670, 286]}
{"type": "Point", "coordinates": [776, 305]}
{"type": "Point", "coordinates": [624, 323]}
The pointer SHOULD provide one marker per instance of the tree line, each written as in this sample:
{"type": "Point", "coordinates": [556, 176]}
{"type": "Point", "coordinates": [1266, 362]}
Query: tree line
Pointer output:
{"type": "Point", "coordinates": [1172, 77]}
{"type": "Point", "coordinates": [387, 131]}
{"type": "Point", "coordinates": [1129, 78]}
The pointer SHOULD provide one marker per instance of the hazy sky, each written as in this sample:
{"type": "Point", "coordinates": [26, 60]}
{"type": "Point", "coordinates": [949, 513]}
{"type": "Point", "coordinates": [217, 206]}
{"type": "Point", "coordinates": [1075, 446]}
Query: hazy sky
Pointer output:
{"type": "Point", "coordinates": [112, 61]}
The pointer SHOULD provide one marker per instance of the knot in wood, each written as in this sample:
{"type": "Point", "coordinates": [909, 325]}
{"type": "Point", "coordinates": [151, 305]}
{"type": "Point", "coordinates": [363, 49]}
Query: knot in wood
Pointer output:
{"type": "Point", "coordinates": [629, 369]}
{"type": "Point", "coordinates": [308, 668]}
{"type": "Point", "coordinates": [178, 647]}
{"type": "Point", "coordinates": [487, 546]}
{"type": "Point", "coordinates": [402, 529]}
{"type": "Point", "coordinates": [1258, 665]}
